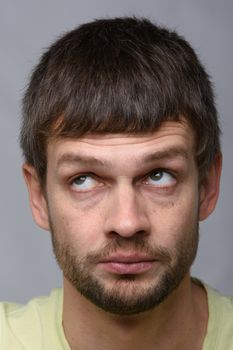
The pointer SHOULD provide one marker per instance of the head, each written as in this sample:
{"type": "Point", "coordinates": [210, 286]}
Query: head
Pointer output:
{"type": "Point", "coordinates": [117, 90]}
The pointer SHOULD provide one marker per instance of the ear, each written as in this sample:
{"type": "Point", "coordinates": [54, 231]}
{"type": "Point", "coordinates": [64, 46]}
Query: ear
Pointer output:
{"type": "Point", "coordinates": [209, 188]}
{"type": "Point", "coordinates": [37, 197]}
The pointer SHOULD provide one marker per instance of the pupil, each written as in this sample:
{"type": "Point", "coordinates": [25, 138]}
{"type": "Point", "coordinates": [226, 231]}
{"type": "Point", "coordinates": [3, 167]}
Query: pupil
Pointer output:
{"type": "Point", "coordinates": [80, 180]}
{"type": "Point", "coordinates": [157, 175]}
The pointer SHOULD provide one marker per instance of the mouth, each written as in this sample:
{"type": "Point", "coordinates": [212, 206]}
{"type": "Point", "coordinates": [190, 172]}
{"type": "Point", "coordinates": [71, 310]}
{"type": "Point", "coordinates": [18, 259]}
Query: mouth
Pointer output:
{"type": "Point", "coordinates": [128, 264]}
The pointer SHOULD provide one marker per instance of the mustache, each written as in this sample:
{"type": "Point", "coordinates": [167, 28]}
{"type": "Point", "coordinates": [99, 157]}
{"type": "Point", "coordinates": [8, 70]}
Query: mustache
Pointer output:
{"type": "Point", "coordinates": [124, 245]}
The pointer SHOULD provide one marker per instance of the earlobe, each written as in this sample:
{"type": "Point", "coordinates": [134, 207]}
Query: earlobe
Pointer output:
{"type": "Point", "coordinates": [37, 198]}
{"type": "Point", "coordinates": [209, 189]}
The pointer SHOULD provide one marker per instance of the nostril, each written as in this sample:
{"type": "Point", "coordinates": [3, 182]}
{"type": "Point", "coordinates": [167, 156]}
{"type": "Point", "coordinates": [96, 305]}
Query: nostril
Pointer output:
{"type": "Point", "coordinates": [134, 235]}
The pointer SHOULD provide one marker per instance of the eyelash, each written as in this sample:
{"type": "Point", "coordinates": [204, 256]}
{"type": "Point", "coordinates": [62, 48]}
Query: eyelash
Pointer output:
{"type": "Point", "coordinates": [92, 175]}
{"type": "Point", "coordinates": [167, 176]}
{"type": "Point", "coordinates": [161, 170]}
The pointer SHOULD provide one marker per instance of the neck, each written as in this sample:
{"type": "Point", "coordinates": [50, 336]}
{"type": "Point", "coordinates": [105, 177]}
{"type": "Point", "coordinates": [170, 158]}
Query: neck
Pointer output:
{"type": "Point", "coordinates": [179, 322]}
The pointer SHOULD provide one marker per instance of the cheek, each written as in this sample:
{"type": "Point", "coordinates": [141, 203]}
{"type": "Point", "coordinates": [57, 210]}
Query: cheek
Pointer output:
{"type": "Point", "coordinates": [76, 227]}
{"type": "Point", "coordinates": [175, 220]}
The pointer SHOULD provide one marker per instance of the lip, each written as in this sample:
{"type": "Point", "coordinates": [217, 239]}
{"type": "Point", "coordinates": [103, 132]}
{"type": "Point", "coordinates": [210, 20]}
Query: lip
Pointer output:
{"type": "Point", "coordinates": [128, 264]}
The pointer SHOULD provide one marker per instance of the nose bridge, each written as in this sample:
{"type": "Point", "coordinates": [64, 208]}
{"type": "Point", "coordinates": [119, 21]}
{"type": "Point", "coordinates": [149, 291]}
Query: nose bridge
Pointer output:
{"type": "Point", "coordinates": [127, 215]}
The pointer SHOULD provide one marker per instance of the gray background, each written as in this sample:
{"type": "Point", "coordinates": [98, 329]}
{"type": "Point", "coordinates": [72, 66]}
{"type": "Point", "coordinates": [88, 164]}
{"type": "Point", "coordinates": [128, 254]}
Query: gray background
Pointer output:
{"type": "Point", "coordinates": [27, 266]}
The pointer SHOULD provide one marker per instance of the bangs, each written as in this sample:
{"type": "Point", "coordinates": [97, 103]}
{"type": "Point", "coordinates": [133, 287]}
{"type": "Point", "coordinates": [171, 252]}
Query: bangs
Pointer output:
{"type": "Point", "coordinates": [108, 78]}
{"type": "Point", "coordinates": [125, 106]}
{"type": "Point", "coordinates": [115, 91]}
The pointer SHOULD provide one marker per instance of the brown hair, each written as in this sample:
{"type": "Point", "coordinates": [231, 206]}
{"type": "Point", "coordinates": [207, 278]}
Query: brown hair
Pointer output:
{"type": "Point", "coordinates": [117, 75]}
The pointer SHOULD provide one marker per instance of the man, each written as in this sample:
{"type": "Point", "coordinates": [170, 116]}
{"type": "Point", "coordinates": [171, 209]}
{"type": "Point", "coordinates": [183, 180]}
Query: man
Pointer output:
{"type": "Point", "coordinates": [122, 160]}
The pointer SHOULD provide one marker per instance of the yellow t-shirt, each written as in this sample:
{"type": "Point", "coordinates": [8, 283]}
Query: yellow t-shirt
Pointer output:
{"type": "Point", "coordinates": [35, 326]}
{"type": "Point", "coordinates": [38, 325]}
{"type": "Point", "coordinates": [220, 324]}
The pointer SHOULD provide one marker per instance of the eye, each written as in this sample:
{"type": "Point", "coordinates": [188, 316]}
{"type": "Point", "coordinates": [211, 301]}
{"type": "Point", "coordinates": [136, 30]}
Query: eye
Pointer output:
{"type": "Point", "coordinates": [84, 183]}
{"type": "Point", "coordinates": [160, 178]}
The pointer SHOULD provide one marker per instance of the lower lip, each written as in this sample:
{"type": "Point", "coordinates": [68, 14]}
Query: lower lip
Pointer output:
{"type": "Point", "coordinates": [128, 268]}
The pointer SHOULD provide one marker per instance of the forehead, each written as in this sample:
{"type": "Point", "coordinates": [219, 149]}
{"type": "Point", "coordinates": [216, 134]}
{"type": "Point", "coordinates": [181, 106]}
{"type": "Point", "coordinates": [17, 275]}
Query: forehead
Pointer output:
{"type": "Point", "coordinates": [171, 135]}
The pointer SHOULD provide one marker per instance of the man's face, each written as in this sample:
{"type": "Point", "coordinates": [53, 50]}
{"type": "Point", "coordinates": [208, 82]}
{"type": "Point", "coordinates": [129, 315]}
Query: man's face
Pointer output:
{"type": "Point", "coordinates": [123, 211]}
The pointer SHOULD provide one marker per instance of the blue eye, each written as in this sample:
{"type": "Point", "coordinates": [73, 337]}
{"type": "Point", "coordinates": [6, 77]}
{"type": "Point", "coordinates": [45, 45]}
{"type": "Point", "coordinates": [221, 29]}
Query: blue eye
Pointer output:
{"type": "Point", "coordinates": [160, 178]}
{"type": "Point", "coordinates": [84, 183]}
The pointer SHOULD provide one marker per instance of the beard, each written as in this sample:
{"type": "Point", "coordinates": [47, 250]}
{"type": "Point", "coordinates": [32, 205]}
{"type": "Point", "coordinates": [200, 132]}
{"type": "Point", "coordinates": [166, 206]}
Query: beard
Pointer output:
{"type": "Point", "coordinates": [131, 293]}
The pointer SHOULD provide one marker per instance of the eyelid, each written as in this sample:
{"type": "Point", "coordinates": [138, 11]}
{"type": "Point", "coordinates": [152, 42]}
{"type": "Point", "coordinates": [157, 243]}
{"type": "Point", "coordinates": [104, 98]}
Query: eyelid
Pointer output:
{"type": "Point", "coordinates": [72, 178]}
{"type": "Point", "coordinates": [91, 175]}
{"type": "Point", "coordinates": [160, 170]}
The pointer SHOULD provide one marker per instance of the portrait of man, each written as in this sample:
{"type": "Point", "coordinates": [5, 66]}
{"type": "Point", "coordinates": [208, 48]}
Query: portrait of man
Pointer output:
{"type": "Point", "coordinates": [122, 160]}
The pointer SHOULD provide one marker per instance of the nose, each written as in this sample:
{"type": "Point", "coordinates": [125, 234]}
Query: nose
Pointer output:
{"type": "Point", "coordinates": [126, 214]}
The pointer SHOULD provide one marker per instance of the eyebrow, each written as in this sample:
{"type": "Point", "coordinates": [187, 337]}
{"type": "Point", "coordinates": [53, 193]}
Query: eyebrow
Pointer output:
{"type": "Point", "coordinates": [69, 158]}
{"type": "Point", "coordinates": [168, 154]}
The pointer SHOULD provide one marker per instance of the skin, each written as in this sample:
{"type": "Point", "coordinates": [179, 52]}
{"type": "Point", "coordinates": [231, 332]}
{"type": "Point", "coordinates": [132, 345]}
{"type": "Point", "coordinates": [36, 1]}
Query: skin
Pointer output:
{"type": "Point", "coordinates": [128, 199]}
